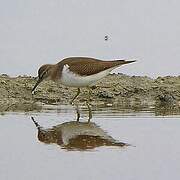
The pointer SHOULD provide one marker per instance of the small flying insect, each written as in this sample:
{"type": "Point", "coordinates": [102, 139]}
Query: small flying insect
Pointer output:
{"type": "Point", "coordinates": [106, 38]}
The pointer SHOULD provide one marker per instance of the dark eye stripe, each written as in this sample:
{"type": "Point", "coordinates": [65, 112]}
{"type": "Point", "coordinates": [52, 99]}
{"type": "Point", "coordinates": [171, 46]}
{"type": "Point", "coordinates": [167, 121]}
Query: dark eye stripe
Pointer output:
{"type": "Point", "coordinates": [42, 74]}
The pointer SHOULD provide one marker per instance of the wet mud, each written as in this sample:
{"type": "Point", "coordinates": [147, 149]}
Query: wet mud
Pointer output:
{"type": "Point", "coordinates": [114, 90]}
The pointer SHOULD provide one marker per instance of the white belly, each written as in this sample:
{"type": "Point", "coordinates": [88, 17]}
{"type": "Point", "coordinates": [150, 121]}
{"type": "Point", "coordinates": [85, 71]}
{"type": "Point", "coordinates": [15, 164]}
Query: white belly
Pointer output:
{"type": "Point", "coordinates": [68, 78]}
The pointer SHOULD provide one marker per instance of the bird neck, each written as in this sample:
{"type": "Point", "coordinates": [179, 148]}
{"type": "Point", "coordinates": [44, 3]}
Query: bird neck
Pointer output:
{"type": "Point", "coordinates": [55, 72]}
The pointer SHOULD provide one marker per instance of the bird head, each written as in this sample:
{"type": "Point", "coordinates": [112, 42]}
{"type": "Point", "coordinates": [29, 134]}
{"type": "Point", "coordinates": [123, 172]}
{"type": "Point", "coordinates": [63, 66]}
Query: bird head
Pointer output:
{"type": "Point", "coordinates": [44, 72]}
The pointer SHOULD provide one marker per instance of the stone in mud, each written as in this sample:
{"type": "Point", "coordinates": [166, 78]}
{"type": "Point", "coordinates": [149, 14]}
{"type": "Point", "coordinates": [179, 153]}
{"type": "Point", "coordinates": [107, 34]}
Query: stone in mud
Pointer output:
{"type": "Point", "coordinates": [105, 94]}
{"type": "Point", "coordinates": [166, 99]}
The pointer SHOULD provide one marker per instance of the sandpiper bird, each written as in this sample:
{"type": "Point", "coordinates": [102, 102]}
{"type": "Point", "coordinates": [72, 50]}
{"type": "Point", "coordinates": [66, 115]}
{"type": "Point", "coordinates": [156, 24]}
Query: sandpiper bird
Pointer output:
{"type": "Point", "coordinates": [77, 136]}
{"type": "Point", "coordinates": [78, 72]}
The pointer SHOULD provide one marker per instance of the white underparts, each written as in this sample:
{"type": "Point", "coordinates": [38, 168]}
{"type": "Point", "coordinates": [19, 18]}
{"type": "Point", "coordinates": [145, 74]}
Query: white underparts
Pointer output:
{"type": "Point", "coordinates": [69, 78]}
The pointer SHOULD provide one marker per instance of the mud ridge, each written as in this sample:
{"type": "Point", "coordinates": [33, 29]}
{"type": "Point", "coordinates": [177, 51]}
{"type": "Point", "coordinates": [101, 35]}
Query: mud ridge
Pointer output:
{"type": "Point", "coordinates": [114, 90]}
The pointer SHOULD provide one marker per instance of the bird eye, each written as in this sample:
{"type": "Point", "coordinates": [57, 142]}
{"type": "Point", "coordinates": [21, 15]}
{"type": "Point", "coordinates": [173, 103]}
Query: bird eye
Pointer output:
{"type": "Point", "coordinates": [46, 72]}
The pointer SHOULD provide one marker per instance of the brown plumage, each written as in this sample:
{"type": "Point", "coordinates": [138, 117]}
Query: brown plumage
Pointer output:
{"type": "Point", "coordinates": [85, 66]}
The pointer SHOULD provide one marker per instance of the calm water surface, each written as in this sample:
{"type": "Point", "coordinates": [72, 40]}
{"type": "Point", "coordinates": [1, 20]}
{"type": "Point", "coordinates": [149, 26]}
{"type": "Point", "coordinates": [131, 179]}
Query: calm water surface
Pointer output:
{"type": "Point", "coordinates": [116, 144]}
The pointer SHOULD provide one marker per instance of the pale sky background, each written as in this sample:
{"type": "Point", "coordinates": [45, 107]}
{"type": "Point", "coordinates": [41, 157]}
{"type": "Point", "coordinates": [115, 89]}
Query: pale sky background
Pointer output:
{"type": "Point", "coordinates": [36, 32]}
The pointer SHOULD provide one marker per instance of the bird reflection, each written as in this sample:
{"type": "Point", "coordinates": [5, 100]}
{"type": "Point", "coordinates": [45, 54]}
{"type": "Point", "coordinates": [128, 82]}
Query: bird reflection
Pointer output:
{"type": "Point", "coordinates": [76, 135]}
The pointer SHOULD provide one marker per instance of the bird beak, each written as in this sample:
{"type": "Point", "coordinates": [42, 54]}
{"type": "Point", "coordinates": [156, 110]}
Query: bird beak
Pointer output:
{"type": "Point", "coordinates": [37, 83]}
{"type": "Point", "coordinates": [36, 124]}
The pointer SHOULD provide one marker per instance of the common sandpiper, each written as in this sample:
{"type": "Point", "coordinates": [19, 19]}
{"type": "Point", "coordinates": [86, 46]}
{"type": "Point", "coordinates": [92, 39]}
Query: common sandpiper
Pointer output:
{"type": "Point", "coordinates": [78, 72]}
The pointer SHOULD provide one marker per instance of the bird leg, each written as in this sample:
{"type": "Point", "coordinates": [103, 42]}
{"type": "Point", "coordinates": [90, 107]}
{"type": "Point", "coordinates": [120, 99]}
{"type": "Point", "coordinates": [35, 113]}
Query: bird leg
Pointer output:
{"type": "Point", "coordinates": [89, 94]}
{"type": "Point", "coordinates": [77, 113]}
{"type": "Point", "coordinates": [78, 92]}
{"type": "Point", "coordinates": [88, 103]}
{"type": "Point", "coordinates": [89, 110]}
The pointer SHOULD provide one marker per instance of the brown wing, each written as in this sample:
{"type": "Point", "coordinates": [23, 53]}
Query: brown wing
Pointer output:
{"type": "Point", "coordinates": [85, 142]}
{"type": "Point", "coordinates": [88, 66]}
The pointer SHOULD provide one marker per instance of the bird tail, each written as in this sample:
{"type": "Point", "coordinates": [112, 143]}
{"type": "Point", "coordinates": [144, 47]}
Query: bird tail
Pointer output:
{"type": "Point", "coordinates": [121, 62]}
{"type": "Point", "coordinates": [121, 144]}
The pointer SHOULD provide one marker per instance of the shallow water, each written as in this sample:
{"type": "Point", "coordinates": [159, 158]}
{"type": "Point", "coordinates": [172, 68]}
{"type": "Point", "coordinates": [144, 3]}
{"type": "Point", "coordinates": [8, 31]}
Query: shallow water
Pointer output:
{"type": "Point", "coordinates": [116, 144]}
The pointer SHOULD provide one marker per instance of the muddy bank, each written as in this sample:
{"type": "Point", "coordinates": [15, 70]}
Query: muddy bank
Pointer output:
{"type": "Point", "coordinates": [114, 90]}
